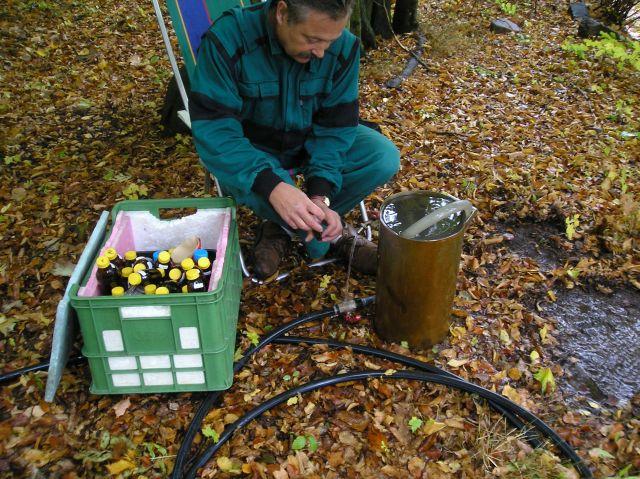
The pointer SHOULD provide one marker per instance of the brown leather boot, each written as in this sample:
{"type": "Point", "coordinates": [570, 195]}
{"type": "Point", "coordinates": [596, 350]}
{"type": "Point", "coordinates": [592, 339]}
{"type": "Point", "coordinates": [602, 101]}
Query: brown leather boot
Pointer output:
{"type": "Point", "coordinates": [271, 245]}
{"type": "Point", "coordinates": [365, 253]}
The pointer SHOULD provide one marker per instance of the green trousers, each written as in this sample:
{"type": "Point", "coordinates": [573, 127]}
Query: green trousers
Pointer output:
{"type": "Point", "coordinates": [372, 161]}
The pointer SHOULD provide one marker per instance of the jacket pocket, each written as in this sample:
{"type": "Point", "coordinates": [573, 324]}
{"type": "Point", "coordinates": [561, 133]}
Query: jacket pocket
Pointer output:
{"type": "Point", "coordinates": [260, 100]}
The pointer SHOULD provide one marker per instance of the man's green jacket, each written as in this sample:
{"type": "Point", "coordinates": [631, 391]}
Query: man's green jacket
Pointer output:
{"type": "Point", "coordinates": [256, 112]}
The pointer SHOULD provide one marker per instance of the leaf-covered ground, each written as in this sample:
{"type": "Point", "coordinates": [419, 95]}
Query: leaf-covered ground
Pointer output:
{"type": "Point", "coordinates": [524, 130]}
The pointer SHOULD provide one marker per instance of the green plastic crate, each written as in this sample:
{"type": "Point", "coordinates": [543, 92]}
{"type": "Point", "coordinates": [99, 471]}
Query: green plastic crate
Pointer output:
{"type": "Point", "coordinates": [182, 342]}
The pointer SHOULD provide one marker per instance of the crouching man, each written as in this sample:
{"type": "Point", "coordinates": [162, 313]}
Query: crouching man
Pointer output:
{"type": "Point", "coordinates": [275, 95]}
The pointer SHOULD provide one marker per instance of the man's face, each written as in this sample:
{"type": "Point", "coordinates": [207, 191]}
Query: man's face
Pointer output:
{"type": "Point", "coordinates": [309, 37]}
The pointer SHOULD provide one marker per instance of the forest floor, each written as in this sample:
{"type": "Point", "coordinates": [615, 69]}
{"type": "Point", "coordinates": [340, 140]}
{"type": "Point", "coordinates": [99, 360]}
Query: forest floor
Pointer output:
{"type": "Point", "coordinates": [544, 144]}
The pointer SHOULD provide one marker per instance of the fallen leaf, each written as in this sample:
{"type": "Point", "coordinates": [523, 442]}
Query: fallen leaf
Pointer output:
{"type": "Point", "coordinates": [121, 407]}
{"type": "Point", "coordinates": [120, 466]}
{"type": "Point", "coordinates": [546, 379]}
{"type": "Point", "coordinates": [432, 426]}
{"type": "Point", "coordinates": [456, 363]}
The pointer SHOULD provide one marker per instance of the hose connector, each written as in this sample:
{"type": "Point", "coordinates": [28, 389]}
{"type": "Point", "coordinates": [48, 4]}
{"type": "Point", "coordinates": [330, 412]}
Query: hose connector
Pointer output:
{"type": "Point", "coordinates": [353, 304]}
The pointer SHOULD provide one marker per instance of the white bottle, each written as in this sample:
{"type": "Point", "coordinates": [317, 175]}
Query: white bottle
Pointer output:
{"type": "Point", "coordinates": [185, 249]}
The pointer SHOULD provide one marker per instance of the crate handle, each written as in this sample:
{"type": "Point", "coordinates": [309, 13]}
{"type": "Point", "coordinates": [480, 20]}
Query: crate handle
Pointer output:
{"type": "Point", "coordinates": [154, 206]}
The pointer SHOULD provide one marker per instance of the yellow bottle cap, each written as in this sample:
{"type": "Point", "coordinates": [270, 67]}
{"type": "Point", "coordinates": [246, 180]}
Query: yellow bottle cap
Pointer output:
{"type": "Point", "coordinates": [134, 279]}
{"type": "Point", "coordinates": [139, 267]}
{"type": "Point", "coordinates": [185, 289]}
{"type": "Point", "coordinates": [110, 253]}
{"type": "Point", "coordinates": [162, 273]}
{"type": "Point", "coordinates": [150, 289]}
{"type": "Point", "coordinates": [162, 290]}
{"type": "Point", "coordinates": [187, 264]}
{"type": "Point", "coordinates": [204, 263]}
{"type": "Point", "coordinates": [130, 255]}
{"type": "Point", "coordinates": [117, 291]}
{"type": "Point", "coordinates": [103, 262]}
{"type": "Point", "coordinates": [175, 274]}
{"type": "Point", "coordinates": [126, 271]}
{"type": "Point", "coordinates": [193, 274]}
{"type": "Point", "coordinates": [164, 257]}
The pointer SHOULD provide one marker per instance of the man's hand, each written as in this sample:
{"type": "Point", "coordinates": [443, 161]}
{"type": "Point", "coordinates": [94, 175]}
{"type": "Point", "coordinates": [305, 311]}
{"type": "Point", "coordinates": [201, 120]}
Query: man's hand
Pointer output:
{"type": "Point", "coordinates": [331, 218]}
{"type": "Point", "coordinates": [296, 209]}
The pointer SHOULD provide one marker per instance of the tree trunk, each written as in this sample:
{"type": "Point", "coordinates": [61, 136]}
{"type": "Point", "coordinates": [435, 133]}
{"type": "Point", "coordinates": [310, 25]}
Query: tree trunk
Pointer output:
{"type": "Point", "coordinates": [355, 21]}
{"type": "Point", "coordinates": [367, 35]}
{"type": "Point", "coordinates": [404, 16]}
{"type": "Point", "coordinates": [381, 18]}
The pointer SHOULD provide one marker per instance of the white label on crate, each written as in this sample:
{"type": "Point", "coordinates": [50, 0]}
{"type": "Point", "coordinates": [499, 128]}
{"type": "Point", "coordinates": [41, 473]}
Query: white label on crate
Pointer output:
{"type": "Point", "coordinates": [187, 361]}
{"type": "Point", "coordinates": [122, 362]}
{"type": "Point", "coordinates": [189, 338]}
{"type": "Point", "coordinates": [157, 379]}
{"type": "Point", "coordinates": [112, 340]}
{"type": "Point", "coordinates": [124, 380]}
{"type": "Point", "coordinates": [127, 312]}
{"type": "Point", "coordinates": [155, 362]}
{"type": "Point", "coordinates": [190, 377]}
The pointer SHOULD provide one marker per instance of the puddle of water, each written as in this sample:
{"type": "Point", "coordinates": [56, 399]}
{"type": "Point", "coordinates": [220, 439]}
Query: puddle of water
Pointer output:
{"type": "Point", "coordinates": [602, 332]}
{"type": "Point", "coordinates": [535, 240]}
{"type": "Point", "coordinates": [598, 334]}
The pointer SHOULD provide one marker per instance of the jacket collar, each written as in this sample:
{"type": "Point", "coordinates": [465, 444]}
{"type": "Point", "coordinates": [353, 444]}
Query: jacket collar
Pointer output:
{"type": "Point", "coordinates": [274, 44]}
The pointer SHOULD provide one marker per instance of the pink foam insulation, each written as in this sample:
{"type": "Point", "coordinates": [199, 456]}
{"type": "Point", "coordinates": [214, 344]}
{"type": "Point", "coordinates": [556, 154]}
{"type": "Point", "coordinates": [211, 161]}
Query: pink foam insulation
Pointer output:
{"type": "Point", "coordinates": [221, 248]}
{"type": "Point", "coordinates": [122, 239]}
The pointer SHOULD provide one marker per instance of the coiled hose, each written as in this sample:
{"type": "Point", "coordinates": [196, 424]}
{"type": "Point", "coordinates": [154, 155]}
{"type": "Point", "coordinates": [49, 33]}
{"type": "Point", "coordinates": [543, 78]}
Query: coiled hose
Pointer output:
{"type": "Point", "coordinates": [426, 373]}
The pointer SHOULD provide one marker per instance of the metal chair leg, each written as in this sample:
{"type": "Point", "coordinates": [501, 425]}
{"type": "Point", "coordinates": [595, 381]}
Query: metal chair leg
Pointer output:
{"type": "Point", "coordinates": [365, 220]}
{"type": "Point", "coordinates": [207, 182]}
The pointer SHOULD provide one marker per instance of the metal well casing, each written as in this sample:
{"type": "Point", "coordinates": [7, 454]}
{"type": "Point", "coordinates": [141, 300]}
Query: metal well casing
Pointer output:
{"type": "Point", "coordinates": [416, 283]}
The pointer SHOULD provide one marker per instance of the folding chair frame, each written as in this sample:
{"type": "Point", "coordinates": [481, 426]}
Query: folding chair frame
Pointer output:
{"type": "Point", "coordinates": [186, 119]}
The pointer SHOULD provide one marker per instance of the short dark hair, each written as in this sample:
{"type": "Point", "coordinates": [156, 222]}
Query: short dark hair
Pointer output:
{"type": "Point", "coordinates": [335, 9]}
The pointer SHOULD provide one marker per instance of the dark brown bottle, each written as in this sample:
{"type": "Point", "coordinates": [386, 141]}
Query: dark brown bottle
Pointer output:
{"type": "Point", "coordinates": [187, 264]}
{"type": "Point", "coordinates": [172, 286]}
{"type": "Point", "coordinates": [164, 261]}
{"type": "Point", "coordinates": [117, 291]}
{"type": "Point", "coordinates": [134, 284]}
{"type": "Point", "coordinates": [195, 284]}
{"type": "Point", "coordinates": [114, 257]}
{"type": "Point", "coordinates": [124, 276]}
{"type": "Point", "coordinates": [147, 262]}
{"type": "Point", "coordinates": [107, 275]}
{"type": "Point", "coordinates": [130, 258]}
{"type": "Point", "coordinates": [155, 276]}
{"type": "Point", "coordinates": [176, 275]}
{"type": "Point", "coordinates": [204, 265]}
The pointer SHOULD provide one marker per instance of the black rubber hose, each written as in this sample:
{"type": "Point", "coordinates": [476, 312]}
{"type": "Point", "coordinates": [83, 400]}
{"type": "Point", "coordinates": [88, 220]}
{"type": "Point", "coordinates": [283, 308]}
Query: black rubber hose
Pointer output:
{"type": "Point", "coordinates": [530, 435]}
{"type": "Point", "coordinates": [11, 375]}
{"type": "Point", "coordinates": [210, 400]}
{"type": "Point", "coordinates": [213, 397]}
{"type": "Point", "coordinates": [410, 375]}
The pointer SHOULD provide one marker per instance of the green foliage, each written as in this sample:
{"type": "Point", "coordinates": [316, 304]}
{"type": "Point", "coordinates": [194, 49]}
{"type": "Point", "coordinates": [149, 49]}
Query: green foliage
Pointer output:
{"type": "Point", "coordinates": [546, 379]}
{"type": "Point", "coordinates": [415, 423]}
{"type": "Point", "coordinates": [624, 53]}
{"type": "Point", "coordinates": [507, 7]}
{"type": "Point", "coordinates": [623, 111]}
{"type": "Point", "coordinates": [253, 337]}
{"type": "Point", "coordinates": [300, 442]}
{"type": "Point", "coordinates": [152, 448]}
{"type": "Point", "coordinates": [209, 432]}
{"type": "Point", "coordinates": [572, 224]}
{"type": "Point", "coordinates": [134, 191]}
{"type": "Point", "coordinates": [624, 474]}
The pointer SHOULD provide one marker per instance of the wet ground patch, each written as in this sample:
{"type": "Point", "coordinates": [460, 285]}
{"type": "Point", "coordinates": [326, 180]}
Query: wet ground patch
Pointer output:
{"type": "Point", "coordinates": [598, 334]}
{"type": "Point", "coordinates": [599, 342]}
